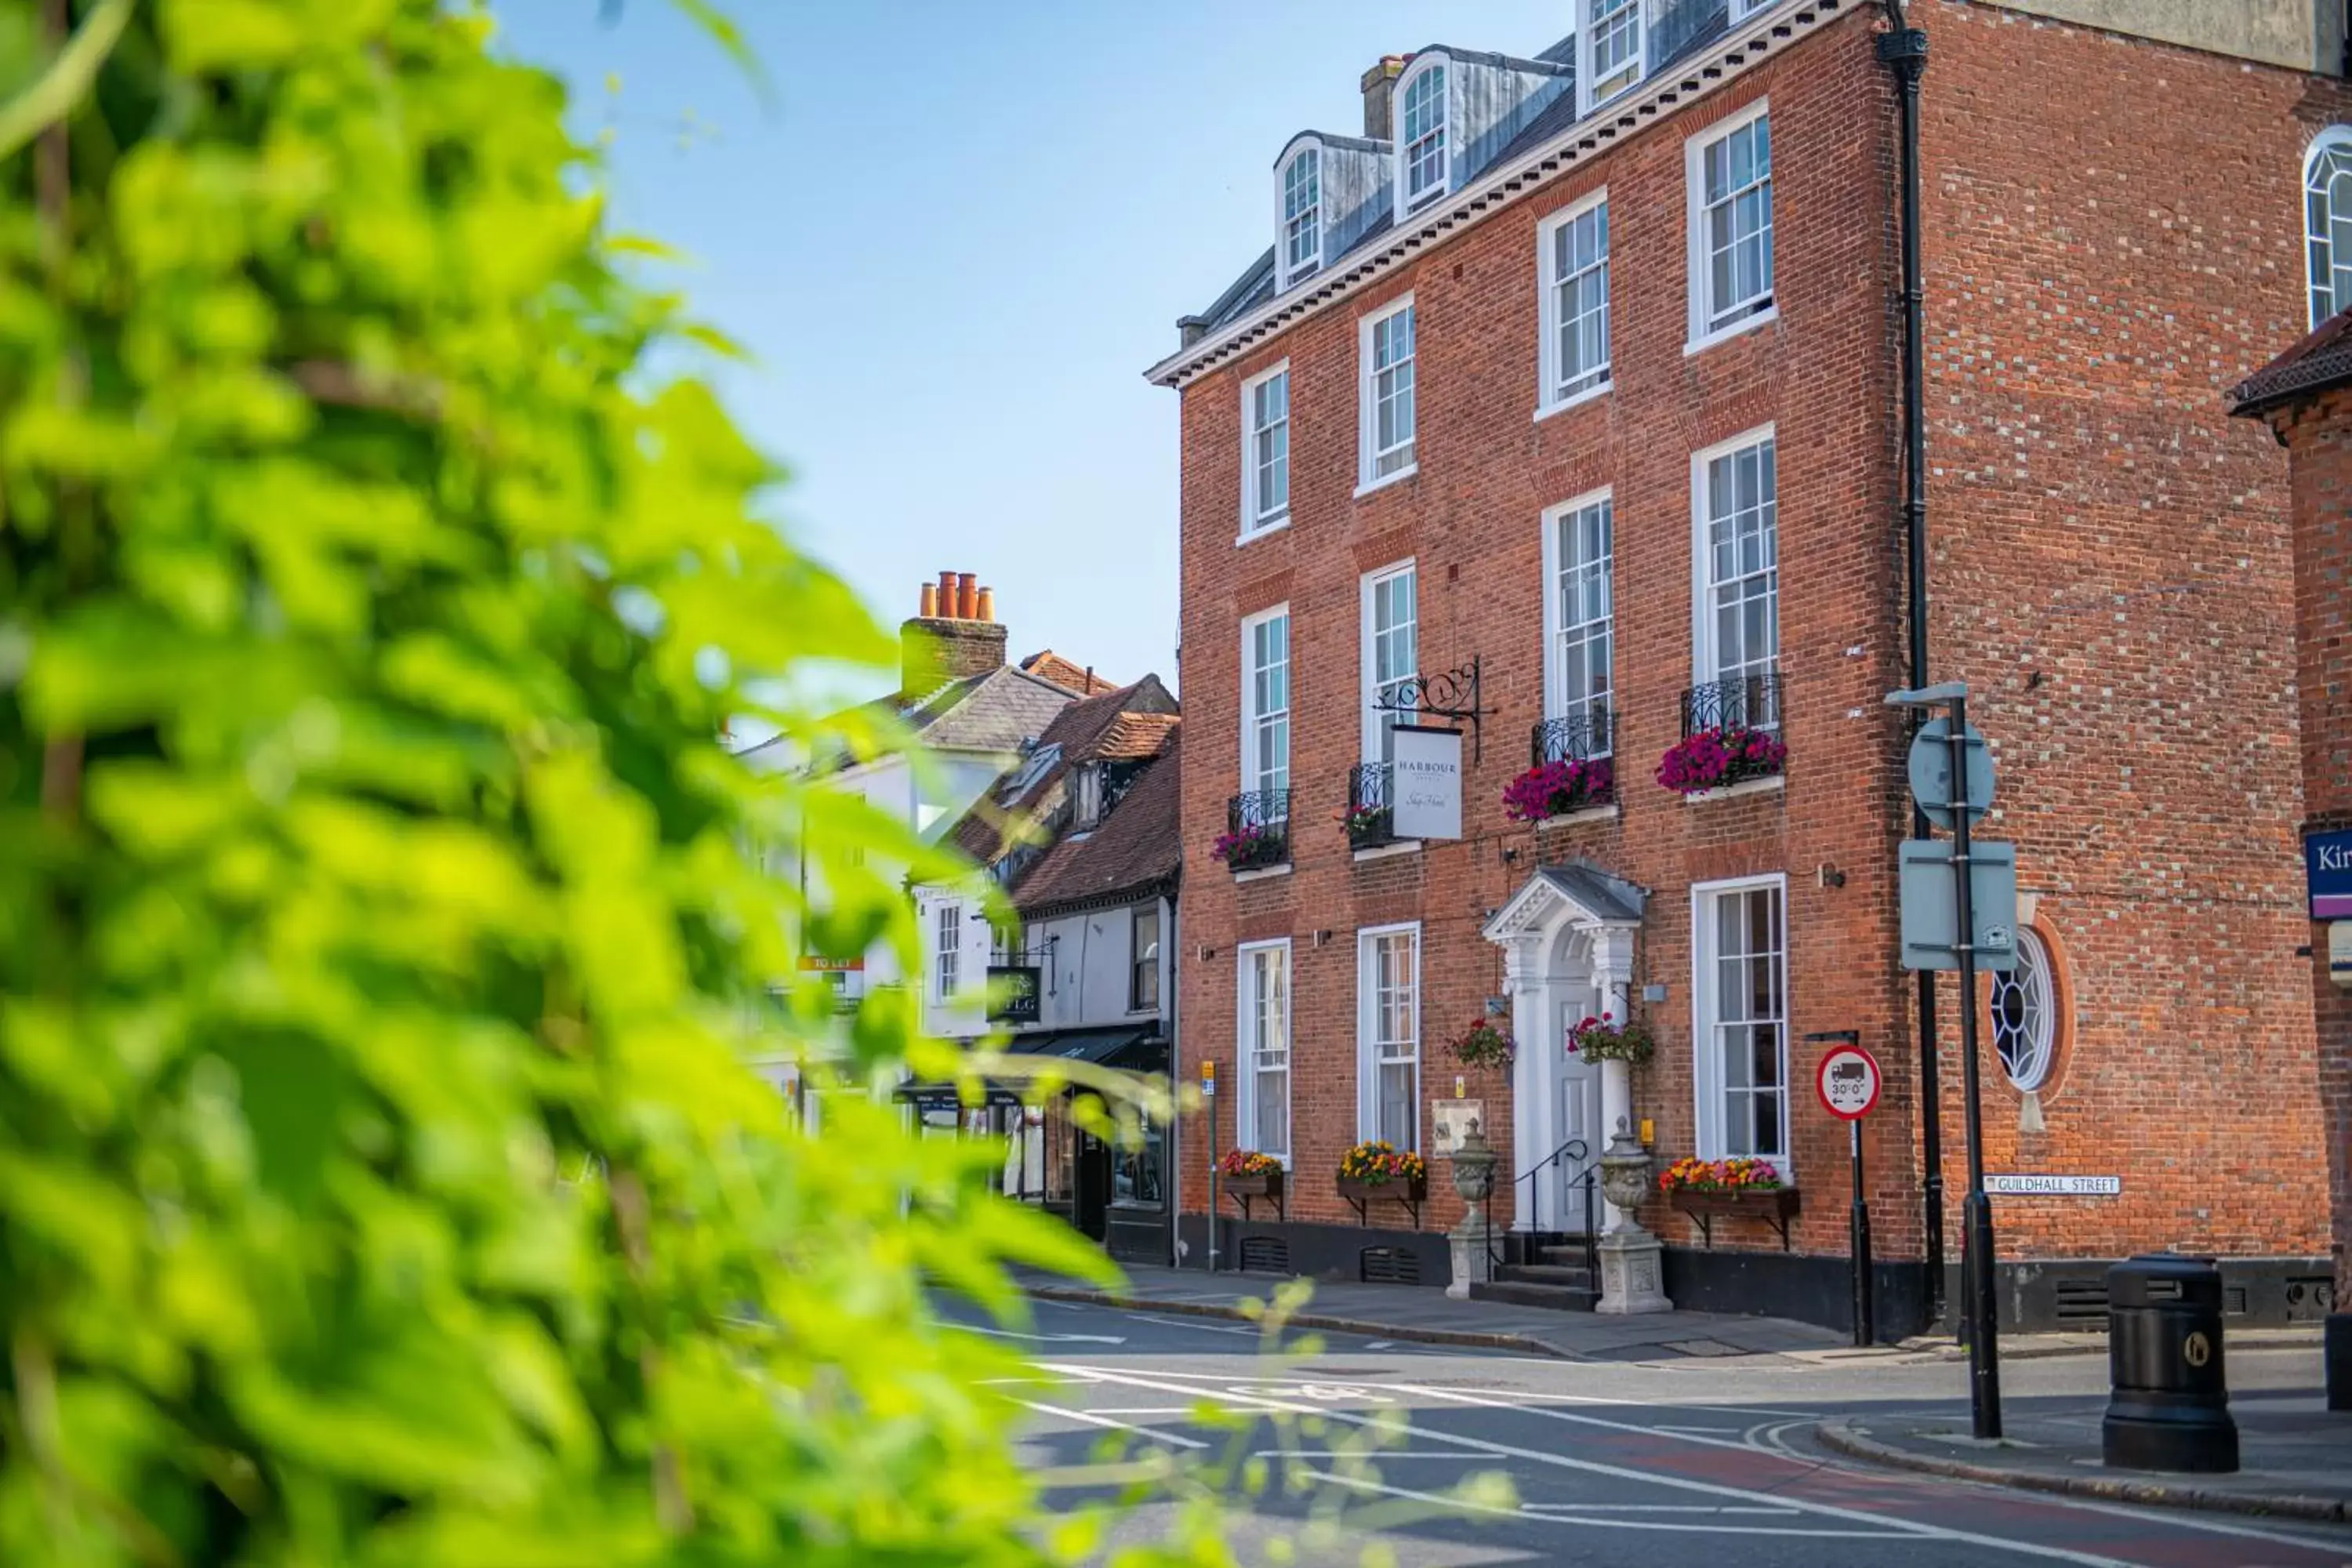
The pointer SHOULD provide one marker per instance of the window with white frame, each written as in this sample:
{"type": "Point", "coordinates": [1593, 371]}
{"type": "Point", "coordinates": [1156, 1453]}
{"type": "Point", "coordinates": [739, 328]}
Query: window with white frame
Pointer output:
{"type": "Point", "coordinates": [947, 926]}
{"type": "Point", "coordinates": [1143, 958]}
{"type": "Point", "coordinates": [1743, 9]}
{"type": "Point", "coordinates": [1738, 638]}
{"type": "Point", "coordinates": [1575, 257]}
{"type": "Point", "coordinates": [2025, 1015]}
{"type": "Point", "coordinates": [1388, 393]}
{"type": "Point", "coordinates": [1614, 38]}
{"type": "Point", "coordinates": [1265, 702]}
{"type": "Point", "coordinates": [2327, 221]}
{"type": "Point", "coordinates": [1420, 156]}
{"type": "Point", "coordinates": [1263, 1049]}
{"type": "Point", "coordinates": [1579, 549]}
{"type": "Point", "coordinates": [1730, 175]}
{"type": "Point", "coordinates": [1266, 469]}
{"type": "Point", "coordinates": [1392, 657]}
{"type": "Point", "coordinates": [1302, 214]}
{"type": "Point", "coordinates": [1740, 995]}
{"type": "Point", "coordinates": [1388, 1034]}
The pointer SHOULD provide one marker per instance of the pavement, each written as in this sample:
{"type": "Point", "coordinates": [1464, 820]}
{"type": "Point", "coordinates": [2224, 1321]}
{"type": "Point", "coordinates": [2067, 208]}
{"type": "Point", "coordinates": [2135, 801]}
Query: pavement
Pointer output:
{"type": "Point", "coordinates": [1448, 1456]}
{"type": "Point", "coordinates": [2295, 1456]}
{"type": "Point", "coordinates": [1423, 1315]}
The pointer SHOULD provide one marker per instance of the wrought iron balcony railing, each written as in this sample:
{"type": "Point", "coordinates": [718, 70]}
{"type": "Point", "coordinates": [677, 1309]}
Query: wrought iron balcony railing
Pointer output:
{"type": "Point", "coordinates": [1591, 733]}
{"type": "Point", "coordinates": [1371, 803]}
{"type": "Point", "coordinates": [1742, 702]}
{"type": "Point", "coordinates": [1257, 830]}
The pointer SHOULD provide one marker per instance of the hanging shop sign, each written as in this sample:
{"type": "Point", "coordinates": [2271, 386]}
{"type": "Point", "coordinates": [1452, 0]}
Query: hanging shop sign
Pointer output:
{"type": "Point", "coordinates": [1014, 990]}
{"type": "Point", "coordinates": [2327, 871]}
{"type": "Point", "coordinates": [1427, 783]}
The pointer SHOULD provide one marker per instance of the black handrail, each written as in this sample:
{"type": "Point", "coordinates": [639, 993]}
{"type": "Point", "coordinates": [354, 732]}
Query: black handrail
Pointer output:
{"type": "Point", "coordinates": [1574, 1149]}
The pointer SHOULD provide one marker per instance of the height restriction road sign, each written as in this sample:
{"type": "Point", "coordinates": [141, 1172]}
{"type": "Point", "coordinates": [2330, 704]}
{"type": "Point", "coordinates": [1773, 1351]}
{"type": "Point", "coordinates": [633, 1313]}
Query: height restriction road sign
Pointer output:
{"type": "Point", "coordinates": [1848, 1083]}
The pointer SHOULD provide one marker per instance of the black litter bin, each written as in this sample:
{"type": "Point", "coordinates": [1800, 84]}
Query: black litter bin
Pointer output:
{"type": "Point", "coordinates": [2169, 1404]}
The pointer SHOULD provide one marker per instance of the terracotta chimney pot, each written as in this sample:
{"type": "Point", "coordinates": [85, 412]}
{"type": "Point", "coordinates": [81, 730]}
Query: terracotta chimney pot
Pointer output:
{"type": "Point", "coordinates": [947, 606]}
{"type": "Point", "coordinates": [988, 604]}
{"type": "Point", "coordinates": [931, 606]}
{"type": "Point", "coordinates": [968, 597]}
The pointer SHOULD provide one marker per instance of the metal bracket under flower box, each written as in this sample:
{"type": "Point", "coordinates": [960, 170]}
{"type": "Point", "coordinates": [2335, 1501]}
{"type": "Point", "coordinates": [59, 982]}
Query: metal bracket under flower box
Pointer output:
{"type": "Point", "coordinates": [1774, 1206]}
{"type": "Point", "coordinates": [1242, 1189]}
{"type": "Point", "coordinates": [1396, 1190]}
{"type": "Point", "coordinates": [1440, 694]}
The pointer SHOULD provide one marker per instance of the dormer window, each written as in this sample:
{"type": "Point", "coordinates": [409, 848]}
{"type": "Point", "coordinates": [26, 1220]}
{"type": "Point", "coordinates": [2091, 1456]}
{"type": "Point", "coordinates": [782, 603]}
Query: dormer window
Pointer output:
{"type": "Point", "coordinates": [1420, 142]}
{"type": "Point", "coordinates": [1089, 809]}
{"type": "Point", "coordinates": [1302, 214]}
{"type": "Point", "coordinates": [1613, 53]}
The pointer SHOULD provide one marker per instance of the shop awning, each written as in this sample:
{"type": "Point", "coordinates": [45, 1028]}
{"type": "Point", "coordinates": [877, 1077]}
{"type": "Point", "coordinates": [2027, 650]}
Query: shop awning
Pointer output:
{"type": "Point", "coordinates": [1126, 1046]}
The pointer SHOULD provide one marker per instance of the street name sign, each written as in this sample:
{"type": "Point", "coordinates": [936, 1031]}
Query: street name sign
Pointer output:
{"type": "Point", "coordinates": [2025, 1186]}
{"type": "Point", "coordinates": [2327, 870]}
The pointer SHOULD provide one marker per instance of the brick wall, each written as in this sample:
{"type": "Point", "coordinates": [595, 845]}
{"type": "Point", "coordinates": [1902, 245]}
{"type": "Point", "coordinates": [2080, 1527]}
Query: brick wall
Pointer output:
{"type": "Point", "coordinates": [1823, 376]}
{"type": "Point", "coordinates": [2319, 435]}
{"type": "Point", "coordinates": [2113, 232]}
{"type": "Point", "coordinates": [2113, 240]}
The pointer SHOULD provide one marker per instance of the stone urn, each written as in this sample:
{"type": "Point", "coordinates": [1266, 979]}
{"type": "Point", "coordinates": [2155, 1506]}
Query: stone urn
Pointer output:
{"type": "Point", "coordinates": [1625, 1171]}
{"type": "Point", "coordinates": [1474, 1167]}
{"type": "Point", "coordinates": [1474, 1179]}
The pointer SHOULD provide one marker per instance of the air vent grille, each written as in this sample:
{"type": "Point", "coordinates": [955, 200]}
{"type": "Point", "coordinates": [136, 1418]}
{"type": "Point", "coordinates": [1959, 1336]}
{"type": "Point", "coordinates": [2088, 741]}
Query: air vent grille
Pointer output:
{"type": "Point", "coordinates": [1390, 1266]}
{"type": "Point", "coordinates": [1265, 1255]}
{"type": "Point", "coordinates": [2083, 1304]}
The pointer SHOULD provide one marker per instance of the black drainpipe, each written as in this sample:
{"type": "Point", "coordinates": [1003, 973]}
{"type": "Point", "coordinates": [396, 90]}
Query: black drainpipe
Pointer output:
{"type": "Point", "coordinates": [1904, 51]}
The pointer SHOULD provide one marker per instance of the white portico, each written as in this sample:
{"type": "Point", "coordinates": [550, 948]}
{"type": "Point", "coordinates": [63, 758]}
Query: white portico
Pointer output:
{"type": "Point", "coordinates": [1567, 938]}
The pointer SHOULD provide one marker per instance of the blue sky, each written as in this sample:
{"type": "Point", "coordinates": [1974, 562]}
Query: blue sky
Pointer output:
{"type": "Point", "coordinates": [955, 239]}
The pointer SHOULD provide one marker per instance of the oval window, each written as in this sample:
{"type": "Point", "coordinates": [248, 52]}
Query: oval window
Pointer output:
{"type": "Point", "coordinates": [2025, 1015]}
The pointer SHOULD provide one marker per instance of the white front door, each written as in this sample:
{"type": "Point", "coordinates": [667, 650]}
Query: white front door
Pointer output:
{"type": "Point", "coordinates": [1579, 1119]}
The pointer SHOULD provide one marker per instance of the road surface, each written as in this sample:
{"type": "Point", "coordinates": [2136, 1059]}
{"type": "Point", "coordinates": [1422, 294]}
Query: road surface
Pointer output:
{"type": "Point", "coordinates": [1687, 1465]}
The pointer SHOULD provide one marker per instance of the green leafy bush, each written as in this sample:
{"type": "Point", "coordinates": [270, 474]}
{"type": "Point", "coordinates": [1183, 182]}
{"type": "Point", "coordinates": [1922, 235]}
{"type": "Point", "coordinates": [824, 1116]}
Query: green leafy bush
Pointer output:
{"type": "Point", "coordinates": [379, 944]}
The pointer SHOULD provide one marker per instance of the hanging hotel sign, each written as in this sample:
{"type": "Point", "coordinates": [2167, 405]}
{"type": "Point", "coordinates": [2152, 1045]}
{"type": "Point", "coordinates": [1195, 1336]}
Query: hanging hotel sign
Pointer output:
{"type": "Point", "coordinates": [1427, 781]}
{"type": "Point", "coordinates": [2327, 869]}
{"type": "Point", "coordinates": [2054, 1186]}
{"type": "Point", "coordinates": [1014, 990]}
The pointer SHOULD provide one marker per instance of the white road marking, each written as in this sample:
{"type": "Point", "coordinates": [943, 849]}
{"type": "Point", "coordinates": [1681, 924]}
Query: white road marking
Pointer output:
{"type": "Point", "coordinates": [1648, 1507]}
{"type": "Point", "coordinates": [1700, 1431]}
{"type": "Point", "coordinates": [1384, 1455]}
{"type": "Point", "coordinates": [1196, 1323]}
{"type": "Point", "coordinates": [1096, 1418]}
{"type": "Point", "coordinates": [1912, 1528]}
{"type": "Point", "coordinates": [1048, 1339]}
{"type": "Point", "coordinates": [1032, 1380]}
{"type": "Point", "coordinates": [1381, 1345]}
{"type": "Point", "coordinates": [1592, 1519]}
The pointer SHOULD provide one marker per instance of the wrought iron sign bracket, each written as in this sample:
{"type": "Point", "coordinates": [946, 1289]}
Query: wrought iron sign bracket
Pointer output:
{"type": "Point", "coordinates": [1441, 694]}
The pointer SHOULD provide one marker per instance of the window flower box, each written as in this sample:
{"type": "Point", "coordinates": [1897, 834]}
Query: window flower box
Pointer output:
{"type": "Point", "coordinates": [1375, 1172]}
{"type": "Point", "coordinates": [1720, 756]}
{"type": "Point", "coordinates": [1245, 1175]}
{"type": "Point", "coordinates": [1730, 1189]}
{"type": "Point", "coordinates": [1557, 788]}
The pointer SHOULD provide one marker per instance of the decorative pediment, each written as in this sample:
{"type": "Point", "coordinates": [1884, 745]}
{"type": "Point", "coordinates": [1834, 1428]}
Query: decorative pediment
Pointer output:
{"type": "Point", "coordinates": [1577, 892]}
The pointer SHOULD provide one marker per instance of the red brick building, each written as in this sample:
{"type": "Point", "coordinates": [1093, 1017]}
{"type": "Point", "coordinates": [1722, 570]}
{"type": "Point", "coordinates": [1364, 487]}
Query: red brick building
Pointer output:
{"type": "Point", "coordinates": [2305, 397]}
{"type": "Point", "coordinates": [1571, 398]}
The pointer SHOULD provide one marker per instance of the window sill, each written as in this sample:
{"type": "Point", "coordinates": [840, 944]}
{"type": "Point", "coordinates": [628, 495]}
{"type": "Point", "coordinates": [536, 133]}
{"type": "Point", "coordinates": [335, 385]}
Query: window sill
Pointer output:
{"type": "Point", "coordinates": [1744, 787]}
{"type": "Point", "coordinates": [1380, 484]}
{"type": "Point", "coordinates": [1274, 525]}
{"type": "Point", "coordinates": [1262, 873]}
{"type": "Point", "coordinates": [1575, 400]}
{"type": "Point", "coordinates": [1609, 813]}
{"type": "Point", "coordinates": [1763, 317]}
{"type": "Point", "coordinates": [1381, 852]}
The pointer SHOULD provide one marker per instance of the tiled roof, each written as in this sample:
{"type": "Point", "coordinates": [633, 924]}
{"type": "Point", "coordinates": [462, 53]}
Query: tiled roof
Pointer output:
{"type": "Point", "coordinates": [993, 711]}
{"type": "Point", "coordinates": [2323, 359]}
{"type": "Point", "coordinates": [1681, 28]}
{"type": "Point", "coordinates": [1131, 725]}
{"type": "Point", "coordinates": [1137, 849]}
{"type": "Point", "coordinates": [1047, 665]}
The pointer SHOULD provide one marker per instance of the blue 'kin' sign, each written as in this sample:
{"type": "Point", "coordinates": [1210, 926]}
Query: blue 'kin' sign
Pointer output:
{"type": "Point", "coordinates": [2327, 861]}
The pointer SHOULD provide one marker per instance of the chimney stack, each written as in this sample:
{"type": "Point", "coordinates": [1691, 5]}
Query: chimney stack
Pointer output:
{"type": "Point", "coordinates": [954, 635]}
{"type": "Point", "coordinates": [1380, 98]}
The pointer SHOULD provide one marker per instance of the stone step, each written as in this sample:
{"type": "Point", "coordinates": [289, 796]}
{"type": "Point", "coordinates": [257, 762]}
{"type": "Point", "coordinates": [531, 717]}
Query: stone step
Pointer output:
{"type": "Point", "coordinates": [1570, 1253]}
{"type": "Point", "coordinates": [1575, 1275]}
{"type": "Point", "coordinates": [1519, 1293]}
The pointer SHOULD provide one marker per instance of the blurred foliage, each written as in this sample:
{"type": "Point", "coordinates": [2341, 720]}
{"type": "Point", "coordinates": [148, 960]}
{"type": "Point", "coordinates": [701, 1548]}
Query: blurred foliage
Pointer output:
{"type": "Point", "coordinates": [380, 1182]}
